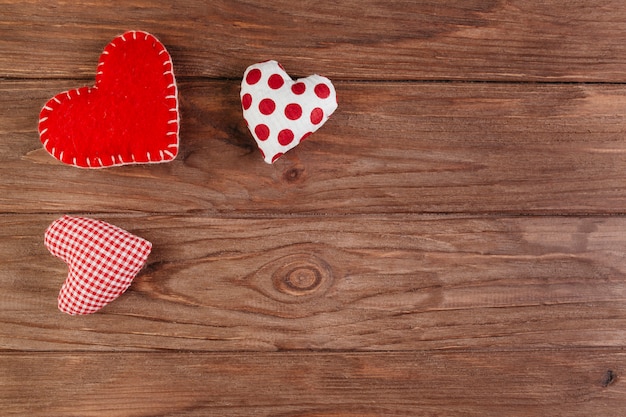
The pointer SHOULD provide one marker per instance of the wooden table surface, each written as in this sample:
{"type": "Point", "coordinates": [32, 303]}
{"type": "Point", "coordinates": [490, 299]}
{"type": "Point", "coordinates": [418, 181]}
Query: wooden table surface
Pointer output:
{"type": "Point", "coordinates": [451, 243]}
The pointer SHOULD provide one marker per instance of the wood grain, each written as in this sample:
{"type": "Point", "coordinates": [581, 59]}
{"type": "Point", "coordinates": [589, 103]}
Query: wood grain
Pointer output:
{"type": "Point", "coordinates": [451, 243]}
{"type": "Point", "coordinates": [333, 283]}
{"type": "Point", "coordinates": [437, 384]}
{"type": "Point", "coordinates": [516, 40]}
{"type": "Point", "coordinates": [390, 148]}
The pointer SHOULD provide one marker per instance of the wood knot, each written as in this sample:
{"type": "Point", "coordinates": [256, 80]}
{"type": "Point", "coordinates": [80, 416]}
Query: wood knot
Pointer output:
{"type": "Point", "coordinates": [302, 275]}
{"type": "Point", "coordinates": [608, 378]}
{"type": "Point", "coordinates": [295, 174]}
{"type": "Point", "coordinates": [302, 279]}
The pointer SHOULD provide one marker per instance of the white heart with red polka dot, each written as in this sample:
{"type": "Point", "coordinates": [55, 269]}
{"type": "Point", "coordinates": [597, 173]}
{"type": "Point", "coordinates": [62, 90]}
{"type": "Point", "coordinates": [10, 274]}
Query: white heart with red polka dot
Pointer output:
{"type": "Point", "coordinates": [281, 112]}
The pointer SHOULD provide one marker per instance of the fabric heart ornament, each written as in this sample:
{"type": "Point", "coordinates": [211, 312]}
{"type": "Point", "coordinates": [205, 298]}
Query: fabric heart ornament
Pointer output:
{"type": "Point", "coordinates": [129, 116]}
{"type": "Point", "coordinates": [281, 112]}
{"type": "Point", "coordinates": [102, 259]}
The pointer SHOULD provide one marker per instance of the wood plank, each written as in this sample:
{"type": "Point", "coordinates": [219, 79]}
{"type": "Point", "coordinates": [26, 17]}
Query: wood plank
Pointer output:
{"type": "Point", "coordinates": [332, 283]}
{"type": "Point", "coordinates": [439, 248]}
{"type": "Point", "coordinates": [453, 384]}
{"type": "Point", "coordinates": [390, 148]}
{"type": "Point", "coordinates": [353, 39]}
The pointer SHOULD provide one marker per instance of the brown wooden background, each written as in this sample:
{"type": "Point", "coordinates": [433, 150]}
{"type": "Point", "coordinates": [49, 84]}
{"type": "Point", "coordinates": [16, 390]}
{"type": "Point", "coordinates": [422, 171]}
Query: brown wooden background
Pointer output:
{"type": "Point", "coordinates": [451, 243]}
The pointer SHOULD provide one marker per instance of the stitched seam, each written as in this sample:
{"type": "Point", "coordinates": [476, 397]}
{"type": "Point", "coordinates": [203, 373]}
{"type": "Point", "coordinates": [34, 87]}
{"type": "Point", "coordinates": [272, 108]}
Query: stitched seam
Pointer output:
{"type": "Point", "coordinates": [170, 94]}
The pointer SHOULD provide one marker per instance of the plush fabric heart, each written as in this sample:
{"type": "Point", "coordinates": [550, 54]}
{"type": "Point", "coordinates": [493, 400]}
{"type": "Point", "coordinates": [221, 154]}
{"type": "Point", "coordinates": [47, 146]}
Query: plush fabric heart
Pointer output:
{"type": "Point", "coordinates": [130, 116]}
{"type": "Point", "coordinates": [281, 112]}
{"type": "Point", "coordinates": [102, 259]}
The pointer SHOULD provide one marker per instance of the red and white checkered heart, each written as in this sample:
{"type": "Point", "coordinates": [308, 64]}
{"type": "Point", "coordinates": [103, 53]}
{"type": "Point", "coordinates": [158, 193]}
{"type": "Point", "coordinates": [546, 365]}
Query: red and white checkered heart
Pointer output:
{"type": "Point", "coordinates": [281, 112]}
{"type": "Point", "coordinates": [102, 259]}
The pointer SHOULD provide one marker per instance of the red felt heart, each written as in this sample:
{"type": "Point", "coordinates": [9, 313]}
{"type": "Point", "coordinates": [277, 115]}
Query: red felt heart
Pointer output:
{"type": "Point", "coordinates": [129, 116]}
{"type": "Point", "coordinates": [102, 260]}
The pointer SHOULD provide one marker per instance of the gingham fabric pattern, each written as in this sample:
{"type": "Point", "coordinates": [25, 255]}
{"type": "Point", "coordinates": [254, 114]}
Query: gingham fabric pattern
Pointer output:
{"type": "Point", "coordinates": [102, 259]}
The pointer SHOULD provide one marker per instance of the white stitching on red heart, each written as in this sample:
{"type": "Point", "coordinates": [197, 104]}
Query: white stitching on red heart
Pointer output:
{"type": "Point", "coordinates": [165, 155]}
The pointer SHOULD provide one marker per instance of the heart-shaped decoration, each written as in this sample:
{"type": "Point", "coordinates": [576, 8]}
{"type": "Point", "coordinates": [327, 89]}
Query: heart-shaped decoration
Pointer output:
{"type": "Point", "coordinates": [129, 116]}
{"type": "Point", "coordinates": [281, 112]}
{"type": "Point", "coordinates": [102, 260]}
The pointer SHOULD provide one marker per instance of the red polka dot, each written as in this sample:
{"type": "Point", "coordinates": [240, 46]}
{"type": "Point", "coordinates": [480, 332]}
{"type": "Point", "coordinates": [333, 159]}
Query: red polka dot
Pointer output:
{"type": "Point", "coordinates": [275, 81]}
{"type": "Point", "coordinates": [267, 106]}
{"type": "Point", "coordinates": [305, 136]}
{"type": "Point", "coordinates": [322, 91]}
{"type": "Point", "coordinates": [298, 88]}
{"type": "Point", "coordinates": [317, 115]}
{"type": "Point", "coordinates": [262, 153]}
{"type": "Point", "coordinates": [246, 101]}
{"type": "Point", "coordinates": [253, 76]}
{"type": "Point", "coordinates": [293, 111]}
{"type": "Point", "coordinates": [278, 155]}
{"type": "Point", "coordinates": [262, 132]}
{"type": "Point", "coordinates": [285, 137]}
